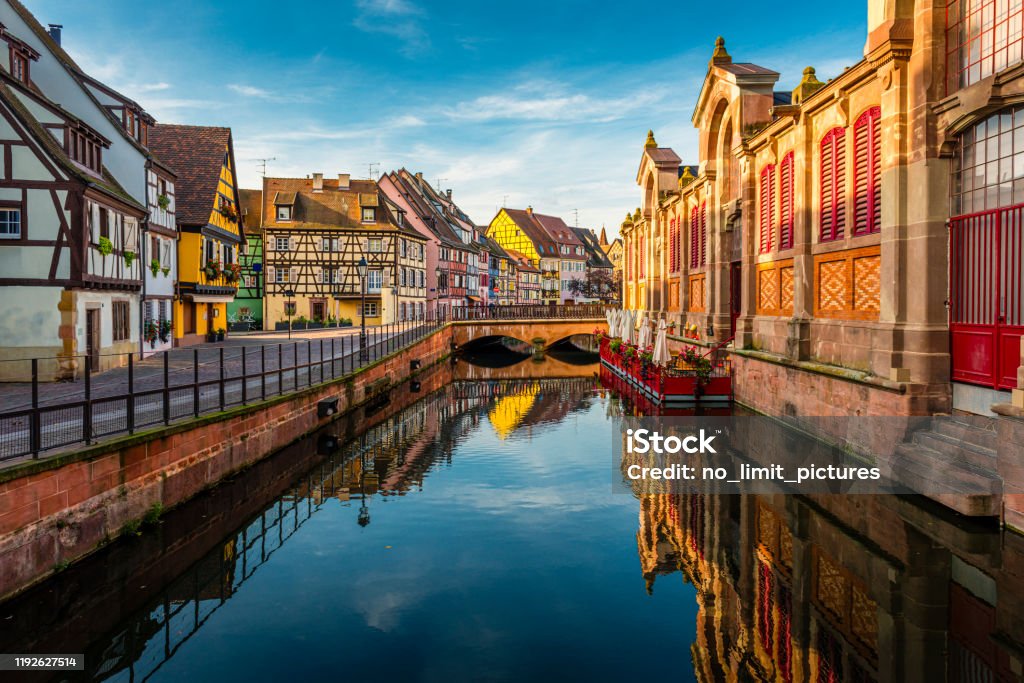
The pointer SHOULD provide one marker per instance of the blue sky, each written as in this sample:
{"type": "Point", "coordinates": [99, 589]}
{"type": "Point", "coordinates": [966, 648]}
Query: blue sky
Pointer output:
{"type": "Point", "coordinates": [542, 103]}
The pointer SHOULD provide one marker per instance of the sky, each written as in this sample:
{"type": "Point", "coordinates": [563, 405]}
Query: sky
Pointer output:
{"type": "Point", "coordinates": [541, 103]}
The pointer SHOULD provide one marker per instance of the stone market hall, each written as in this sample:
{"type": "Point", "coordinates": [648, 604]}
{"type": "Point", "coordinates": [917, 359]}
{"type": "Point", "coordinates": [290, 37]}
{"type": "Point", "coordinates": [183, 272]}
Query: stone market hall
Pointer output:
{"type": "Point", "coordinates": [862, 239]}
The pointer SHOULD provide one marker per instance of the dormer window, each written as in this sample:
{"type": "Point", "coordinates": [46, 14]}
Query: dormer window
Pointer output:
{"type": "Point", "coordinates": [369, 214]}
{"type": "Point", "coordinates": [84, 148]}
{"type": "Point", "coordinates": [22, 55]}
{"type": "Point", "coordinates": [284, 214]}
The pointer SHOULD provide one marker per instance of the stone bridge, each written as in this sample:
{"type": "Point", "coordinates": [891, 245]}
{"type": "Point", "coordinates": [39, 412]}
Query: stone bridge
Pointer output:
{"type": "Point", "coordinates": [540, 333]}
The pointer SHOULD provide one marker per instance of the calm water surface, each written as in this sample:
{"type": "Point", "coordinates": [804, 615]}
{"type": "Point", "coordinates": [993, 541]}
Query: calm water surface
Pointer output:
{"type": "Point", "coordinates": [472, 534]}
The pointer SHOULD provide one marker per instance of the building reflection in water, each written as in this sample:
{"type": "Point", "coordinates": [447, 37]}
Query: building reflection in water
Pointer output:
{"type": "Point", "coordinates": [400, 446]}
{"type": "Point", "coordinates": [839, 588]}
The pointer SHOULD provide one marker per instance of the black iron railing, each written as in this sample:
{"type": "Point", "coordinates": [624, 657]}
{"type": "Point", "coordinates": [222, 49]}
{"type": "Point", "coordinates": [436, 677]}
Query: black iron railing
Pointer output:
{"type": "Point", "coordinates": [185, 383]}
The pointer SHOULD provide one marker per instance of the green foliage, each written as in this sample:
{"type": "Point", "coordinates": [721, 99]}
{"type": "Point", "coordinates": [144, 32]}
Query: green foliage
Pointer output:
{"type": "Point", "coordinates": [106, 247]}
{"type": "Point", "coordinates": [153, 514]}
{"type": "Point", "coordinates": [129, 258]}
{"type": "Point", "coordinates": [154, 266]}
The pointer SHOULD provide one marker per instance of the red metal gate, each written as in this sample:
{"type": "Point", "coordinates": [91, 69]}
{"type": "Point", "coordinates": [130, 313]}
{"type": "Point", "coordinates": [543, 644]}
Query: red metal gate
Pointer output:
{"type": "Point", "coordinates": [987, 296]}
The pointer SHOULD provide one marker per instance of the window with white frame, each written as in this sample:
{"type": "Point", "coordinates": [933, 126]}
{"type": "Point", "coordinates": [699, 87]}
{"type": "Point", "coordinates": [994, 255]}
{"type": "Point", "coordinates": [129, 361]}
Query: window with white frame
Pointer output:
{"type": "Point", "coordinates": [10, 223]}
{"type": "Point", "coordinates": [282, 275]}
{"type": "Point", "coordinates": [284, 214]}
{"type": "Point", "coordinates": [375, 245]}
{"type": "Point", "coordinates": [374, 280]}
{"type": "Point", "coordinates": [370, 309]}
{"type": "Point", "coordinates": [369, 214]}
{"type": "Point", "coordinates": [281, 243]}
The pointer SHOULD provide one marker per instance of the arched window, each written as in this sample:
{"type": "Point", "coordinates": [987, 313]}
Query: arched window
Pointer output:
{"type": "Point", "coordinates": [766, 207]}
{"type": "Point", "coordinates": [833, 185]}
{"type": "Point", "coordinates": [786, 202]}
{"type": "Point", "coordinates": [867, 155]}
{"type": "Point", "coordinates": [984, 38]}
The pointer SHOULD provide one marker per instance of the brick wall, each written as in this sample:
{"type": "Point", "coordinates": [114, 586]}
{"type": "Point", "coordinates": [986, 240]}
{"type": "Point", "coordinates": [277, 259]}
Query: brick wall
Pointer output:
{"type": "Point", "coordinates": [56, 510]}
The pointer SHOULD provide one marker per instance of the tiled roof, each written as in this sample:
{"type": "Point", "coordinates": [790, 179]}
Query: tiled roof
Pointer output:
{"type": "Point", "coordinates": [745, 68]}
{"type": "Point", "coordinates": [196, 154]}
{"type": "Point", "coordinates": [596, 256]}
{"type": "Point", "coordinates": [664, 154]}
{"type": "Point", "coordinates": [542, 241]}
{"type": "Point", "coordinates": [413, 189]}
{"type": "Point", "coordinates": [251, 202]}
{"type": "Point", "coordinates": [106, 182]}
{"type": "Point", "coordinates": [522, 261]}
{"type": "Point", "coordinates": [331, 208]}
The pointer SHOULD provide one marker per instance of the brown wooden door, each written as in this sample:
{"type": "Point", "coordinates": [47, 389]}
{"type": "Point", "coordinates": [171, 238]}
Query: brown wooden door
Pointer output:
{"type": "Point", "coordinates": [92, 337]}
{"type": "Point", "coordinates": [190, 318]}
{"type": "Point", "coordinates": [210, 327]}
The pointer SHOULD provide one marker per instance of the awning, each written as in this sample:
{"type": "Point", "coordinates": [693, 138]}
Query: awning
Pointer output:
{"type": "Point", "coordinates": [473, 298]}
{"type": "Point", "coordinates": [211, 298]}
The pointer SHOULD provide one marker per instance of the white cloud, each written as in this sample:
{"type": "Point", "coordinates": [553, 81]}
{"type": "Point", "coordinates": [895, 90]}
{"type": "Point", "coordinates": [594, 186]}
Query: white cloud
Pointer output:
{"type": "Point", "coordinates": [152, 87]}
{"type": "Point", "coordinates": [249, 90]}
{"type": "Point", "coordinates": [397, 18]}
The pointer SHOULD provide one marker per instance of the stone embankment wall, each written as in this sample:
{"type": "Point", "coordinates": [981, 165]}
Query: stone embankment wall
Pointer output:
{"type": "Point", "coordinates": [56, 510]}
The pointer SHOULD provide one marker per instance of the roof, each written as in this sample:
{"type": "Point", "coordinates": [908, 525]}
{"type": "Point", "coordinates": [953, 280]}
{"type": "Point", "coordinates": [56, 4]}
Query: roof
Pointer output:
{"type": "Point", "coordinates": [251, 203]}
{"type": "Point", "coordinates": [542, 241]}
{"type": "Point", "coordinates": [333, 207]}
{"type": "Point", "coordinates": [494, 248]}
{"type": "Point", "coordinates": [746, 68]}
{"type": "Point", "coordinates": [663, 154]}
{"type": "Point", "coordinates": [522, 261]}
{"type": "Point", "coordinates": [561, 233]}
{"type": "Point", "coordinates": [106, 182]}
{"type": "Point", "coordinates": [415, 191]}
{"type": "Point", "coordinates": [596, 257]}
{"type": "Point", "coordinates": [196, 154]}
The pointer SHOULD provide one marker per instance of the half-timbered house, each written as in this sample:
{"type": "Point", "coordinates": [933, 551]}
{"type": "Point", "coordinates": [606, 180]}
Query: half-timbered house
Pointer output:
{"type": "Point", "coordinates": [209, 223]}
{"type": "Point", "coordinates": [69, 241]}
{"type": "Point", "coordinates": [316, 230]}
{"type": "Point", "coordinates": [519, 230]}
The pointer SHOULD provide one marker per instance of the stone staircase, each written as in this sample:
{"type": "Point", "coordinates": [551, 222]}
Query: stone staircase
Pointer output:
{"type": "Point", "coordinates": [952, 459]}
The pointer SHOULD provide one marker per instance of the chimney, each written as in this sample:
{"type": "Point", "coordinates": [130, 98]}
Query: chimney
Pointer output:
{"type": "Point", "coordinates": [343, 183]}
{"type": "Point", "coordinates": [448, 193]}
{"type": "Point", "coordinates": [318, 182]}
{"type": "Point", "coordinates": [419, 176]}
{"type": "Point", "coordinates": [529, 210]}
{"type": "Point", "coordinates": [54, 31]}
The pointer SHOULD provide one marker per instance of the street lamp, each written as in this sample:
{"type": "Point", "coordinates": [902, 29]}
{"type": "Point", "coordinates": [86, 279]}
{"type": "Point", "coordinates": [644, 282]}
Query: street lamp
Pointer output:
{"type": "Point", "coordinates": [361, 269]}
{"type": "Point", "coordinates": [437, 299]}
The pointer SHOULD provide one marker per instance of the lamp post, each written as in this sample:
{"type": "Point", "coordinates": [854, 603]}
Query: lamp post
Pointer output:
{"type": "Point", "coordinates": [437, 276]}
{"type": "Point", "coordinates": [361, 269]}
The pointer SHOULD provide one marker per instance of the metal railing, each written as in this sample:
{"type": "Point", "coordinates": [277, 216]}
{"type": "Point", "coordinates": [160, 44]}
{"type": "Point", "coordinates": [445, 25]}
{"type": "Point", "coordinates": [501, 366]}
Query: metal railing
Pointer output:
{"type": "Point", "coordinates": [184, 383]}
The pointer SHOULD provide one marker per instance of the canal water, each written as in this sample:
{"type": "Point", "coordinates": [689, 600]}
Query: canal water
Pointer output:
{"type": "Point", "coordinates": [467, 530]}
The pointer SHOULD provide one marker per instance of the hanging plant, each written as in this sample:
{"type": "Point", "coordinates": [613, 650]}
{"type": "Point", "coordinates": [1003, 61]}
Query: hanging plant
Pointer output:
{"type": "Point", "coordinates": [165, 330]}
{"type": "Point", "coordinates": [129, 258]}
{"type": "Point", "coordinates": [212, 269]}
{"type": "Point", "coordinates": [166, 271]}
{"type": "Point", "coordinates": [163, 201]}
{"type": "Point", "coordinates": [154, 266]}
{"type": "Point", "coordinates": [228, 211]}
{"type": "Point", "coordinates": [232, 272]}
{"type": "Point", "coordinates": [151, 332]}
{"type": "Point", "coordinates": [106, 247]}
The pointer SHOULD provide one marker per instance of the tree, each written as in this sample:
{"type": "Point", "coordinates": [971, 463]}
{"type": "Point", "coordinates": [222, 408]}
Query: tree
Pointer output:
{"type": "Point", "coordinates": [598, 283]}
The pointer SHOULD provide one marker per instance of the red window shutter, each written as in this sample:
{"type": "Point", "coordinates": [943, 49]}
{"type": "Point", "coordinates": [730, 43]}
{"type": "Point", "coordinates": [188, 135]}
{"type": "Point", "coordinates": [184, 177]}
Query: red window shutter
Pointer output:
{"type": "Point", "coordinates": [694, 243]}
{"type": "Point", "coordinates": [786, 202]}
{"type": "Point", "coordinates": [868, 172]}
{"type": "Point", "coordinates": [833, 185]}
{"type": "Point", "coordinates": [703, 233]}
{"type": "Point", "coordinates": [766, 207]}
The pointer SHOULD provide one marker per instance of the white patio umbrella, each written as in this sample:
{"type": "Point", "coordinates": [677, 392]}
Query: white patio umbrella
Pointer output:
{"type": "Point", "coordinates": [616, 328]}
{"type": "Point", "coordinates": [609, 316]}
{"type": "Point", "coordinates": [628, 333]}
{"type": "Point", "coordinates": [661, 352]}
{"type": "Point", "coordinates": [644, 337]}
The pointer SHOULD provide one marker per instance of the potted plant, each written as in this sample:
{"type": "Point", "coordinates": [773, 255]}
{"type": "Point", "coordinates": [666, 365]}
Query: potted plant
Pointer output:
{"type": "Point", "coordinates": [211, 336]}
{"type": "Point", "coordinates": [129, 258]}
{"type": "Point", "coordinates": [220, 334]}
{"type": "Point", "coordinates": [150, 333]}
{"type": "Point", "coordinates": [166, 271]}
{"type": "Point", "coordinates": [345, 322]}
{"type": "Point", "coordinates": [212, 269]}
{"type": "Point", "coordinates": [105, 246]}
{"type": "Point", "coordinates": [233, 272]}
{"type": "Point", "coordinates": [228, 211]}
{"type": "Point", "coordinates": [165, 331]}
{"type": "Point", "coordinates": [154, 266]}
{"type": "Point", "coordinates": [163, 201]}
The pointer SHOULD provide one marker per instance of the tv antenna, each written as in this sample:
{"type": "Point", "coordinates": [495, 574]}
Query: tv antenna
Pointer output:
{"type": "Point", "coordinates": [438, 181]}
{"type": "Point", "coordinates": [263, 164]}
{"type": "Point", "coordinates": [576, 212]}
{"type": "Point", "coordinates": [371, 168]}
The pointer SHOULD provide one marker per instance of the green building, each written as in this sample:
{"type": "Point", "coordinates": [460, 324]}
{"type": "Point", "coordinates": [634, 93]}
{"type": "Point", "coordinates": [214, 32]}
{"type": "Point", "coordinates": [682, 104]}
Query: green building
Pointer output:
{"type": "Point", "coordinates": [246, 311]}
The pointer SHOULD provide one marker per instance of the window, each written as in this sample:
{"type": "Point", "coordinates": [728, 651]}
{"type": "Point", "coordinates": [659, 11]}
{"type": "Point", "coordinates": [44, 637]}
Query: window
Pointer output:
{"type": "Point", "coordinates": [833, 185]}
{"type": "Point", "coordinates": [10, 224]}
{"type": "Point", "coordinates": [84, 149]}
{"type": "Point", "coordinates": [983, 37]}
{"type": "Point", "coordinates": [867, 178]}
{"type": "Point", "coordinates": [786, 202]}
{"type": "Point", "coordinates": [105, 223]}
{"type": "Point", "coordinates": [370, 309]}
{"type": "Point", "coordinates": [282, 275]}
{"type": "Point", "coordinates": [122, 321]}
{"type": "Point", "coordinates": [404, 247]}
{"type": "Point", "coordinates": [284, 213]}
{"type": "Point", "coordinates": [766, 208]}
{"type": "Point", "coordinates": [250, 281]}
{"type": "Point", "coordinates": [698, 235]}
{"type": "Point", "coordinates": [374, 280]}
{"type": "Point", "coordinates": [281, 243]}
{"type": "Point", "coordinates": [673, 246]}
{"type": "Point", "coordinates": [19, 66]}
{"type": "Point", "coordinates": [228, 254]}
{"type": "Point", "coordinates": [375, 245]}
{"type": "Point", "coordinates": [369, 214]}
{"type": "Point", "coordinates": [989, 165]}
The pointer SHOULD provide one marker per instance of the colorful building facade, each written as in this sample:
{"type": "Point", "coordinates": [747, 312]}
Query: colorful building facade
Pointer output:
{"type": "Point", "coordinates": [209, 223]}
{"type": "Point", "coordinates": [245, 312]}
{"type": "Point", "coordinates": [820, 231]}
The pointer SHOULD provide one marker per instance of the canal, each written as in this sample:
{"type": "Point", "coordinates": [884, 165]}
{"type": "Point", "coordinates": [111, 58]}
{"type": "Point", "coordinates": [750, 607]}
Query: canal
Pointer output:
{"type": "Point", "coordinates": [467, 530]}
